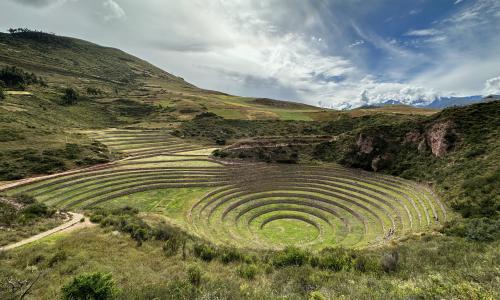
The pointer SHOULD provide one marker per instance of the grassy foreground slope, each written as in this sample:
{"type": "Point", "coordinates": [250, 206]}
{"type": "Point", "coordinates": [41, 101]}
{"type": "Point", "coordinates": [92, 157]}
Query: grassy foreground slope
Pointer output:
{"type": "Point", "coordinates": [429, 267]}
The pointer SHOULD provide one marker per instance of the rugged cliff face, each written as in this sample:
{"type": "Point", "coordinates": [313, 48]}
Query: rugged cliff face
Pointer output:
{"type": "Point", "coordinates": [457, 150]}
{"type": "Point", "coordinates": [441, 137]}
{"type": "Point", "coordinates": [380, 147]}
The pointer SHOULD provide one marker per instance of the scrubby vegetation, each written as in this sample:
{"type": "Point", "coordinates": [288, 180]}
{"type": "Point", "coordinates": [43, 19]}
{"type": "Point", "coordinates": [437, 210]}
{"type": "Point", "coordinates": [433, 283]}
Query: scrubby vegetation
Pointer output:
{"type": "Point", "coordinates": [20, 163]}
{"type": "Point", "coordinates": [89, 286]}
{"type": "Point", "coordinates": [421, 267]}
{"type": "Point", "coordinates": [38, 36]}
{"type": "Point", "coordinates": [126, 220]}
{"type": "Point", "coordinates": [22, 216]}
{"type": "Point", "coordinates": [17, 78]}
{"type": "Point", "coordinates": [70, 97]}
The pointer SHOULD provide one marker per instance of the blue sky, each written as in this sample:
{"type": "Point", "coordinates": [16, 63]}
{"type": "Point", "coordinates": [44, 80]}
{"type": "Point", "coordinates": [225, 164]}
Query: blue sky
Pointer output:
{"type": "Point", "coordinates": [335, 53]}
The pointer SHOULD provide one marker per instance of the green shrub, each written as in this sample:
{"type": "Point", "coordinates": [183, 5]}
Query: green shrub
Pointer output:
{"type": "Point", "coordinates": [475, 229]}
{"type": "Point", "coordinates": [36, 210]}
{"type": "Point", "coordinates": [94, 91]}
{"type": "Point", "coordinates": [248, 271]}
{"type": "Point", "coordinates": [96, 286]}
{"type": "Point", "coordinates": [316, 295]}
{"type": "Point", "coordinates": [333, 259]}
{"type": "Point", "coordinates": [2, 94]}
{"type": "Point", "coordinates": [228, 255]}
{"type": "Point", "coordinates": [96, 218]}
{"type": "Point", "coordinates": [291, 256]}
{"type": "Point", "coordinates": [9, 135]}
{"type": "Point", "coordinates": [194, 275]}
{"type": "Point", "coordinates": [139, 234]}
{"type": "Point", "coordinates": [16, 77]}
{"type": "Point", "coordinates": [25, 199]}
{"type": "Point", "coordinates": [165, 232]}
{"type": "Point", "coordinates": [8, 214]}
{"type": "Point", "coordinates": [364, 264]}
{"type": "Point", "coordinates": [70, 96]}
{"type": "Point", "coordinates": [204, 251]}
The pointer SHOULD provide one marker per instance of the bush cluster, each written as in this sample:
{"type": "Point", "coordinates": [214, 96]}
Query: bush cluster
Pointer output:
{"type": "Point", "coordinates": [70, 97]}
{"type": "Point", "coordinates": [94, 91]}
{"type": "Point", "coordinates": [31, 211]}
{"type": "Point", "coordinates": [331, 259]}
{"type": "Point", "coordinates": [14, 77]}
{"type": "Point", "coordinates": [474, 229]}
{"type": "Point", "coordinates": [126, 220]}
{"type": "Point", "coordinates": [85, 286]}
{"type": "Point", "coordinates": [248, 271]}
{"type": "Point", "coordinates": [16, 164]}
{"type": "Point", "coordinates": [226, 255]}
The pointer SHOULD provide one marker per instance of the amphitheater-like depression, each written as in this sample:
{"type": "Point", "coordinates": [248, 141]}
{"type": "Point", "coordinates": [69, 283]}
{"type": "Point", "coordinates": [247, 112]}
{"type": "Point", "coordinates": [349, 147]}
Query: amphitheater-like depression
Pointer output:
{"type": "Point", "coordinates": [253, 205]}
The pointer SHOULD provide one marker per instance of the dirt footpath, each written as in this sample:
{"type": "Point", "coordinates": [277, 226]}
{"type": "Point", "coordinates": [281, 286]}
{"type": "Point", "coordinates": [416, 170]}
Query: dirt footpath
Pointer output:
{"type": "Point", "coordinates": [73, 224]}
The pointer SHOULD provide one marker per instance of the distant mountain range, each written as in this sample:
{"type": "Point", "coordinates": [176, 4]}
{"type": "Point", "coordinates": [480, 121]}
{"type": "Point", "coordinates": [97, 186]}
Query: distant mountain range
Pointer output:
{"type": "Point", "coordinates": [443, 102]}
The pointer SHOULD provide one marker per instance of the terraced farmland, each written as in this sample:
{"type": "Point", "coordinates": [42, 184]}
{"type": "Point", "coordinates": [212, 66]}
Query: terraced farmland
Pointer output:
{"type": "Point", "coordinates": [252, 205]}
{"type": "Point", "coordinates": [149, 143]}
{"type": "Point", "coordinates": [343, 207]}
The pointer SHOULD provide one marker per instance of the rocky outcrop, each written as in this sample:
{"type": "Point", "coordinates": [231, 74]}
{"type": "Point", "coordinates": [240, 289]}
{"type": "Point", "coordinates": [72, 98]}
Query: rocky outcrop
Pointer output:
{"type": "Point", "coordinates": [413, 137]}
{"type": "Point", "coordinates": [365, 143]}
{"type": "Point", "coordinates": [381, 161]}
{"type": "Point", "coordinates": [373, 148]}
{"type": "Point", "coordinates": [440, 137]}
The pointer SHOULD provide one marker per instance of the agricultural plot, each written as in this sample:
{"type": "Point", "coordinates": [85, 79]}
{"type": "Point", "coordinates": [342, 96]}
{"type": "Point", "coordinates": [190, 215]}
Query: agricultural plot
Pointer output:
{"type": "Point", "coordinates": [143, 143]}
{"type": "Point", "coordinates": [252, 205]}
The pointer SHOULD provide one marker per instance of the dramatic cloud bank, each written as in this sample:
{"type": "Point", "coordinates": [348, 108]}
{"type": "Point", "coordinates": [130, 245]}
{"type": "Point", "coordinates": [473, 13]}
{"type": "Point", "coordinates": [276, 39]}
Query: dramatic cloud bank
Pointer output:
{"type": "Point", "coordinates": [337, 53]}
{"type": "Point", "coordinates": [492, 86]}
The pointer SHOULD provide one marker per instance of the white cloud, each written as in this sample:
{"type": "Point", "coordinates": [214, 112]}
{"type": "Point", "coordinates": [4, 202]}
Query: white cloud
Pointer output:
{"type": "Point", "coordinates": [423, 32]}
{"type": "Point", "coordinates": [492, 86]}
{"type": "Point", "coordinates": [113, 10]}
{"type": "Point", "coordinates": [369, 91]}
{"type": "Point", "coordinates": [458, 2]}
{"type": "Point", "coordinates": [357, 43]}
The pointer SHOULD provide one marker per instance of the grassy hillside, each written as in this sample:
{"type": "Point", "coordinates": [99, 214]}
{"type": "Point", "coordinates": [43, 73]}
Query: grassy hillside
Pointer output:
{"type": "Point", "coordinates": [66, 61]}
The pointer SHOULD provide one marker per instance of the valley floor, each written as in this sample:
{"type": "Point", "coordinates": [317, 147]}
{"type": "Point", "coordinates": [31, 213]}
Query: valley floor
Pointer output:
{"type": "Point", "coordinates": [250, 205]}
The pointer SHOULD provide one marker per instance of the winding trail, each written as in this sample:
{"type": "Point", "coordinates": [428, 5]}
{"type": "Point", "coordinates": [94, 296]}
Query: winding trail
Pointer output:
{"type": "Point", "coordinates": [73, 224]}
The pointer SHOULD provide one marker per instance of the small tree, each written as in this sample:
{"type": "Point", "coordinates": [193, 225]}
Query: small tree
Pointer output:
{"type": "Point", "coordinates": [2, 94]}
{"type": "Point", "coordinates": [97, 286]}
{"type": "Point", "coordinates": [70, 97]}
